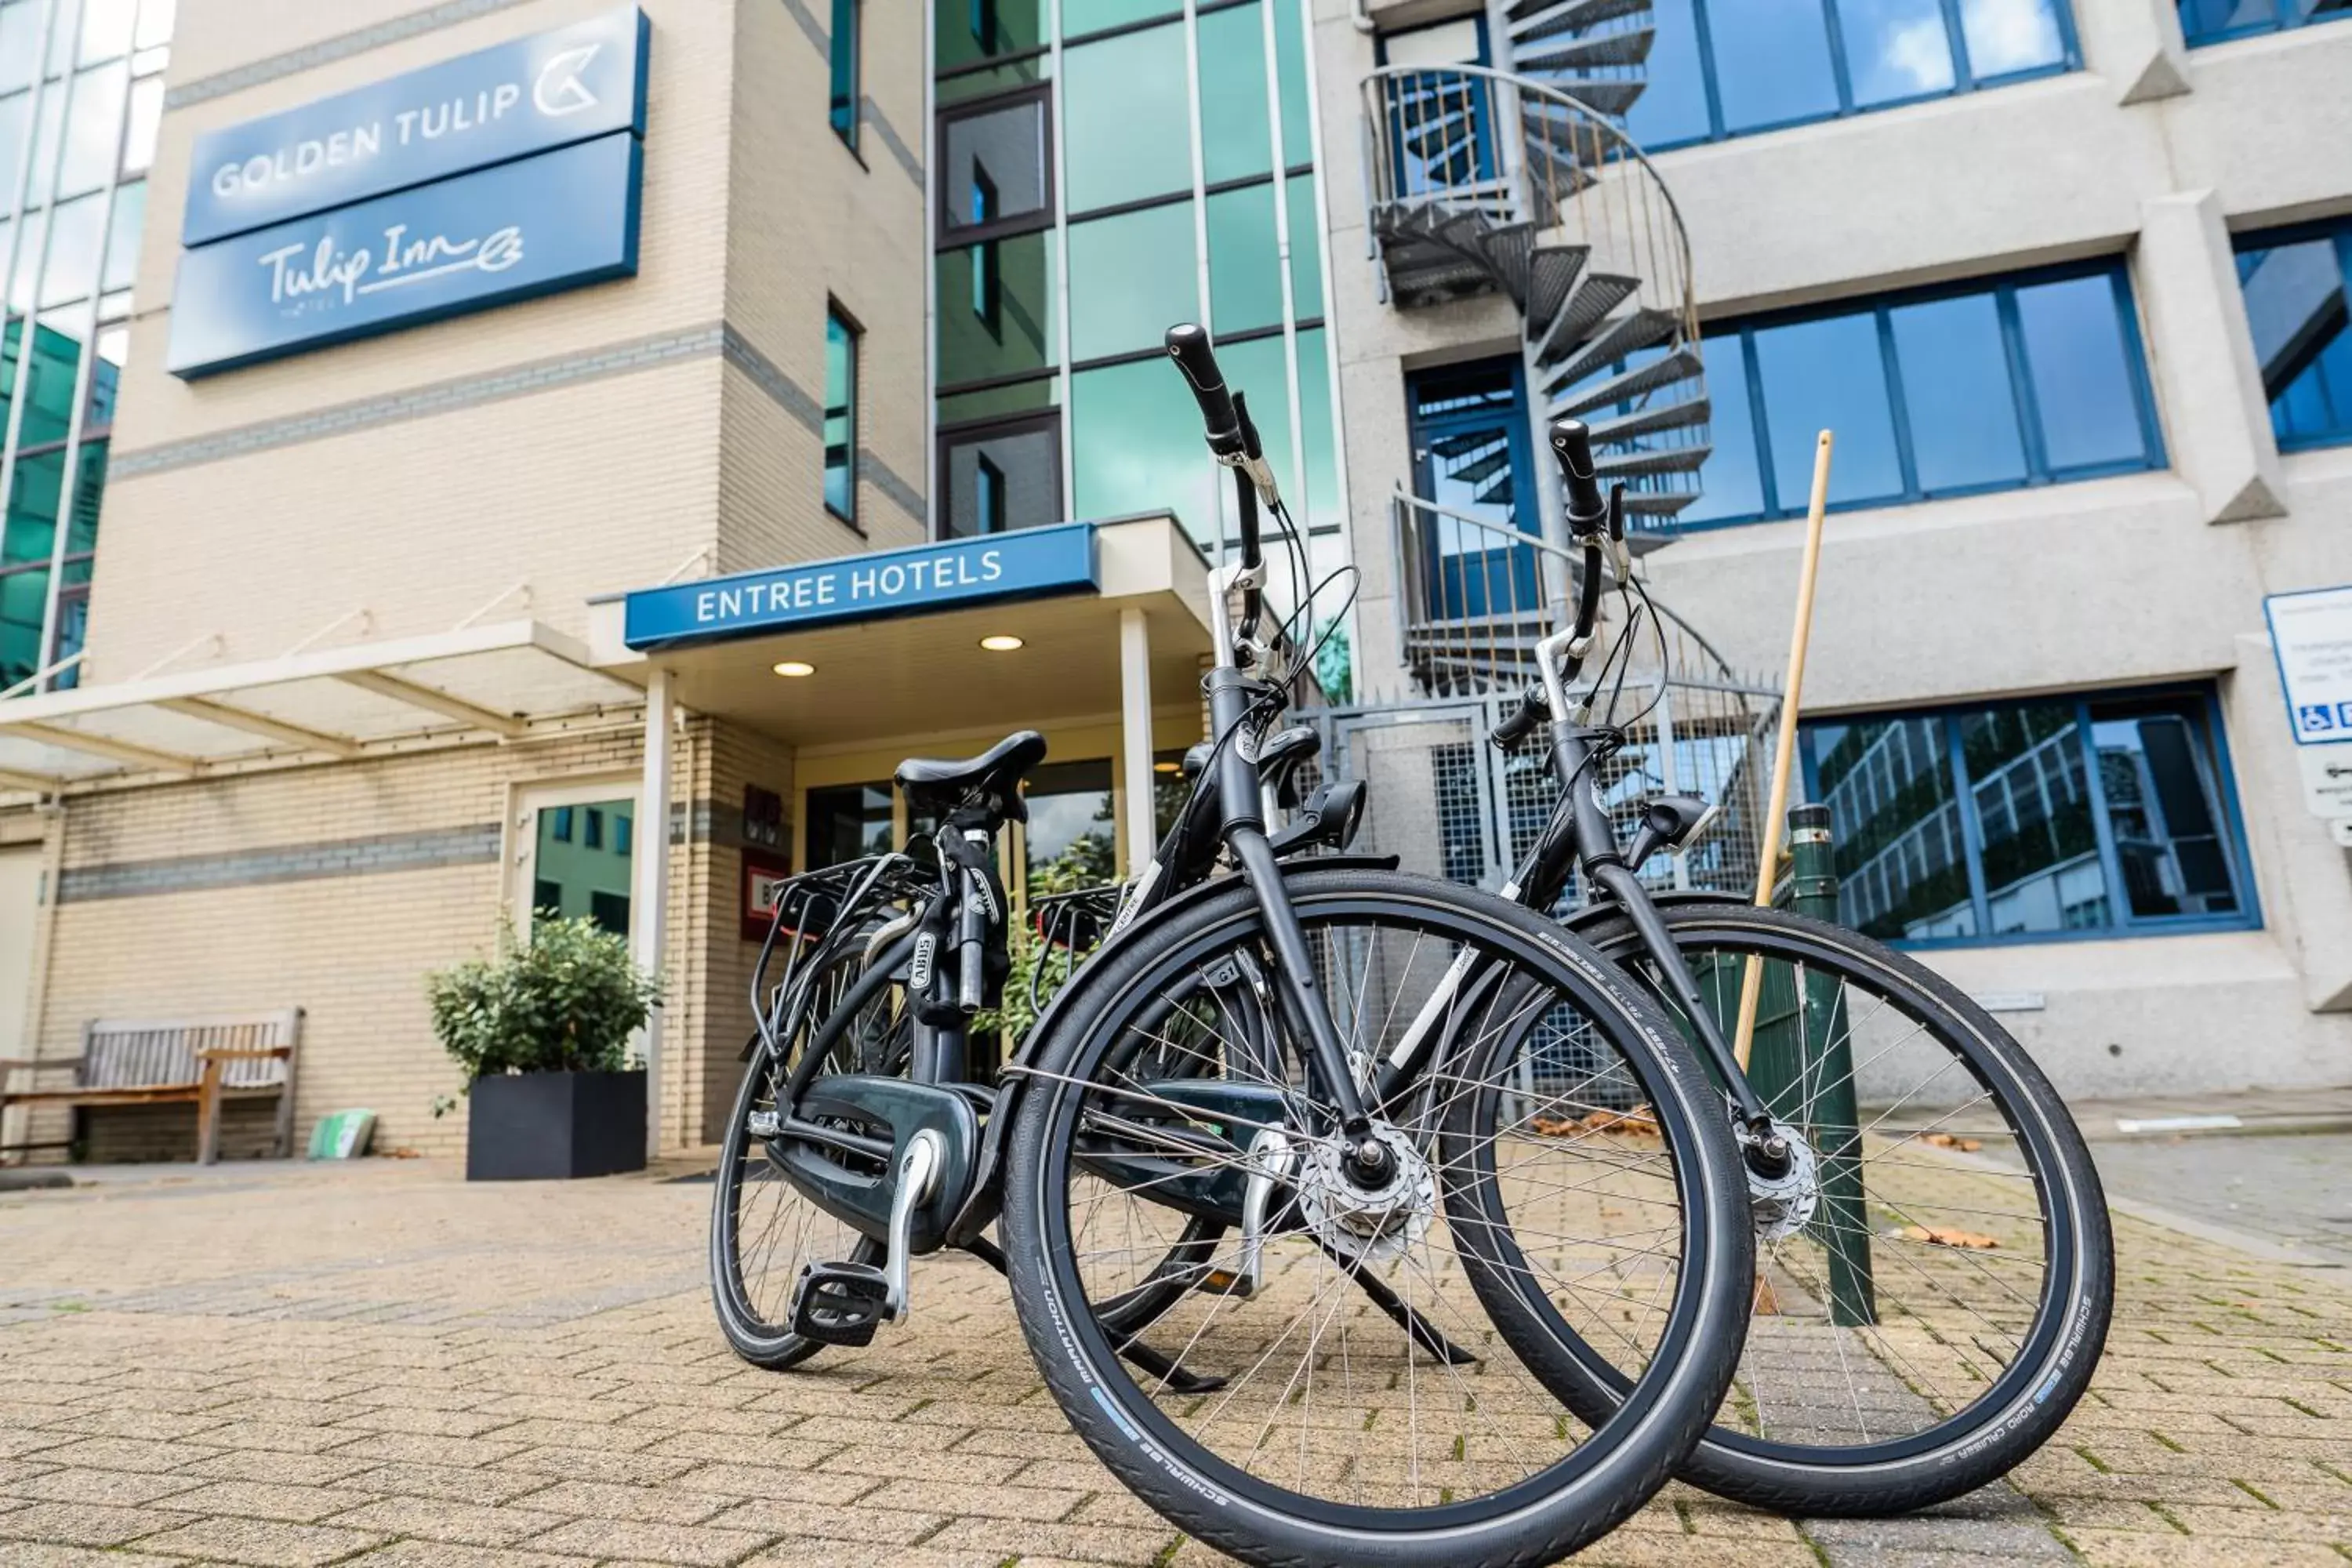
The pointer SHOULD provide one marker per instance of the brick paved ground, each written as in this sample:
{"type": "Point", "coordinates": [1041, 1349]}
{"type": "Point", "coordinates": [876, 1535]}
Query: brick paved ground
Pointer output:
{"type": "Point", "coordinates": [380, 1364]}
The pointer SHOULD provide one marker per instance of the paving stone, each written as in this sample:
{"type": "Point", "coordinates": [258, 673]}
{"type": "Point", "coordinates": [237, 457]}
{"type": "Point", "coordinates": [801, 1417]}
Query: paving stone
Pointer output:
{"type": "Point", "coordinates": [437, 1518]}
{"type": "Point", "coordinates": [83, 1523]}
{"type": "Point", "coordinates": [867, 1521]}
{"type": "Point", "coordinates": [266, 1543]}
{"type": "Point", "coordinates": [443, 1554]}
{"type": "Point", "coordinates": [486, 1485]}
{"type": "Point", "coordinates": [594, 1465]}
{"type": "Point", "coordinates": [123, 1488]}
{"type": "Point", "coordinates": [34, 1555]}
{"type": "Point", "coordinates": [686, 1544]}
{"type": "Point", "coordinates": [605, 1499]}
{"type": "Point", "coordinates": [269, 1499]}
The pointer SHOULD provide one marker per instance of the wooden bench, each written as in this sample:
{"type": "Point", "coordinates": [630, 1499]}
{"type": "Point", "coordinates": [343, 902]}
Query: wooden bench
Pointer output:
{"type": "Point", "coordinates": [199, 1062]}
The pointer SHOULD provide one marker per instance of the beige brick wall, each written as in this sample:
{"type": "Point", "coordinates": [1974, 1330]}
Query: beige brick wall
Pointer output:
{"type": "Point", "coordinates": [810, 220]}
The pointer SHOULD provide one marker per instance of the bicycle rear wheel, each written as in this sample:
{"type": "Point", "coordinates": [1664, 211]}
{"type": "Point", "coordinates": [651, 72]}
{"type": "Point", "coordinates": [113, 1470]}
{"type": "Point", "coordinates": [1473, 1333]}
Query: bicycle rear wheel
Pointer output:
{"type": "Point", "coordinates": [1933, 1291]}
{"type": "Point", "coordinates": [762, 1229]}
{"type": "Point", "coordinates": [1365, 1411]}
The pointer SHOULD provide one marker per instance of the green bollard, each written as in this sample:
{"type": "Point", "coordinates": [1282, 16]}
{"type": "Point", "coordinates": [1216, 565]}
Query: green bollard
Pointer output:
{"type": "Point", "coordinates": [1832, 1120]}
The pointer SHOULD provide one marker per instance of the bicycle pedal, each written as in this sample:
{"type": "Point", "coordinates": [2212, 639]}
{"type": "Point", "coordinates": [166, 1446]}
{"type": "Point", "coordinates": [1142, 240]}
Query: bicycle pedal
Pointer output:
{"type": "Point", "coordinates": [840, 1303]}
{"type": "Point", "coordinates": [1224, 1282]}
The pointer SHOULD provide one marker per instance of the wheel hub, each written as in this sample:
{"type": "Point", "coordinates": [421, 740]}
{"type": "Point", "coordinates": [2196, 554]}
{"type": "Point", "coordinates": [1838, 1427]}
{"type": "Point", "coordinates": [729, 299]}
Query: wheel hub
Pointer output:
{"type": "Point", "coordinates": [1782, 1204]}
{"type": "Point", "coordinates": [1367, 1223]}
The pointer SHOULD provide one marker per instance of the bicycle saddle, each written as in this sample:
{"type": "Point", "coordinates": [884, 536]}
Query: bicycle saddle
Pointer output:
{"type": "Point", "coordinates": [991, 781]}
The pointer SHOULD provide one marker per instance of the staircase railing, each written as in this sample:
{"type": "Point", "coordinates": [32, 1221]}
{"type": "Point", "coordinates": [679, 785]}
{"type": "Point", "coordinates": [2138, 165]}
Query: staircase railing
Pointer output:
{"type": "Point", "coordinates": [1484, 181]}
{"type": "Point", "coordinates": [1473, 597]}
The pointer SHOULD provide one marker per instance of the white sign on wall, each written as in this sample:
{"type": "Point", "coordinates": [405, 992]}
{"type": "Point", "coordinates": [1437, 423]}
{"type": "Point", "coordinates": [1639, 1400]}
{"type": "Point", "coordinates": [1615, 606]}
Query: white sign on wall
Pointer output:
{"type": "Point", "coordinates": [2312, 634]}
{"type": "Point", "coordinates": [2327, 780]}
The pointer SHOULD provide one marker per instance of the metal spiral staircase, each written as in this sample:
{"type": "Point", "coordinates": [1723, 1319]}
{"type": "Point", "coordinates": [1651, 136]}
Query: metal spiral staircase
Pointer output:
{"type": "Point", "coordinates": [1524, 182]}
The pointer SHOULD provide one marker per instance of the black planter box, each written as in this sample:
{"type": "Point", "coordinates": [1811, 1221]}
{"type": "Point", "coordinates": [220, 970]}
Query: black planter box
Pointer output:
{"type": "Point", "coordinates": [542, 1126]}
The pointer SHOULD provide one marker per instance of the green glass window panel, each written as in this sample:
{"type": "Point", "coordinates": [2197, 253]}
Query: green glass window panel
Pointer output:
{"type": "Point", "coordinates": [1259, 367]}
{"type": "Point", "coordinates": [967, 31]}
{"type": "Point", "coordinates": [1319, 416]}
{"type": "Point", "coordinates": [24, 598]}
{"type": "Point", "coordinates": [1127, 130]}
{"type": "Point", "coordinates": [999, 402]}
{"type": "Point", "coordinates": [1306, 249]}
{"type": "Point", "coordinates": [840, 417]}
{"type": "Point", "coordinates": [1245, 263]}
{"type": "Point", "coordinates": [973, 85]}
{"type": "Point", "coordinates": [29, 260]}
{"type": "Point", "coordinates": [1135, 446]}
{"type": "Point", "coordinates": [31, 523]}
{"type": "Point", "coordinates": [122, 235]}
{"type": "Point", "coordinates": [55, 359]}
{"type": "Point", "coordinates": [1236, 141]}
{"type": "Point", "coordinates": [1290, 70]}
{"type": "Point", "coordinates": [77, 239]}
{"type": "Point", "coordinates": [996, 311]}
{"type": "Point", "coordinates": [1132, 278]}
{"type": "Point", "coordinates": [81, 528]}
{"type": "Point", "coordinates": [844, 70]}
{"type": "Point", "coordinates": [1082, 16]}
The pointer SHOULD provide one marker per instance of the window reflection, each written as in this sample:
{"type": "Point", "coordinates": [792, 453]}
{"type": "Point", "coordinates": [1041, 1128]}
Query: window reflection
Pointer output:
{"type": "Point", "coordinates": [1070, 839]}
{"type": "Point", "coordinates": [1782, 50]}
{"type": "Point", "coordinates": [1896, 49]}
{"type": "Point", "coordinates": [2030, 819]}
{"type": "Point", "coordinates": [1829, 374]}
{"type": "Point", "coordinates": [1007, 475]}
{"type": "Point", "coordinates": [2294, 295]}
{"type": "Point", "coordinates": [2083, 378]}
{"type": "Point", "coordinates": [840, 416]}
{"type": "Point", "coordinates": [1128, 131]}
{"type": "Point", "coordinates": [1955, 388]}
{"type": "Point", "coordinates": [1130, 276]}
{"type": "Point", "coordinates": [847, 821]}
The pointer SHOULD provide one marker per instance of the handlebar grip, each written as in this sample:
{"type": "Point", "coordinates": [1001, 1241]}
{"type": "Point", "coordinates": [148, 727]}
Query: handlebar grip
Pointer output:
{"type": "Point", "coordinates": [1188, 345]}
{"type": "Point", "coordinates": [1532, 711]}
{"type": "Point", "coordinates": [1572, 443]}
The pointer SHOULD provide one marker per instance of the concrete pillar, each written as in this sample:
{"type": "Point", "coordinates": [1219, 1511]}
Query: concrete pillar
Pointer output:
{"type": "Point", "coordinates": [2135, 44]}
{"type": "Point", "coordinates": [1135, 734]}
{"type": "Point", "coordinates": [2217, 425]}
{"type": "Point", "coordinates": [649, 885]}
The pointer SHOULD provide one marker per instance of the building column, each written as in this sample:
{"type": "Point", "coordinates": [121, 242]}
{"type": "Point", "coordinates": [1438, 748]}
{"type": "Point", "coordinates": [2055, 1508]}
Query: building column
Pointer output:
{"type": "Point", "coordinates": [1135, 734]}
{"type": "Point", "coordinates": [650, 886]}
{"type": "Point", "coordinates": [2136, 44]}
{"type": "Point", "coordinates": [2219, 424]}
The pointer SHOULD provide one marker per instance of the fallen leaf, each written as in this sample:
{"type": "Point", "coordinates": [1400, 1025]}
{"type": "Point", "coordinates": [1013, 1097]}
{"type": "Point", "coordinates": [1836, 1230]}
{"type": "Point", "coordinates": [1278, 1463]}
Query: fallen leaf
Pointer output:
{"type": "Point", "coordinates": [1951, 1140]}
{"type": "Point", "coordinates": [1935, 1235]}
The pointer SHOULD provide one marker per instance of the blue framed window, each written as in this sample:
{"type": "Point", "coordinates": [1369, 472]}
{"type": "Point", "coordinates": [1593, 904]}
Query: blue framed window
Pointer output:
{"type": "Point", "coordinates": [841, 336]}
{"type": "Point", "coordinates": [2215, 21]}
{"type": "Point", "coordinates": [1440, 120]}
{"type": "Point", "coordinates": [2103, 814]}
{"type": "Point", "coordinates": [2295, 283]}
{"type": "Point", "coordinates": [2030, 380]}
{"type": "Point", "coordinates": [847, 67]}
{"type": "Point", "coordinates": [1720, 69]}
{"type": "Point", "coordinates": [1472, 454]}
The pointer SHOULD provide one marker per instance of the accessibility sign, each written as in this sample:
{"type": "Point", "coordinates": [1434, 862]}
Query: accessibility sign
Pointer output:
{"type": "Point", "coordinates": [2312, 634]}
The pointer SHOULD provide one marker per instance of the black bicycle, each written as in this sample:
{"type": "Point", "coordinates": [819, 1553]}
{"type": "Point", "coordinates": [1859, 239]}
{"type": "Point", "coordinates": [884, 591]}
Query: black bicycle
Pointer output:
{"type": "Point", "coordinates": [1234, 1243]}
{"type": "Point", "coordinates": [1936, 1266]}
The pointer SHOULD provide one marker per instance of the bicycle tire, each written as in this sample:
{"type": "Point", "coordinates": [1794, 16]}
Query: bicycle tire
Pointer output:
{"type": "Point", "coordinates": [2055, 1357]}
{"type": "Point", "coordinates": [1567, 1503]}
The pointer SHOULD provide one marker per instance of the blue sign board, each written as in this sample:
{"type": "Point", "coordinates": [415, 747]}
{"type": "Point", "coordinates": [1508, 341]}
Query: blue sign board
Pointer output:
{"type": "Point", "coordinates": [1026, 563]}
{"type": "Point", "coordinates": [533, 95]}
{"type": "Point", "coordinates": [551, 222]}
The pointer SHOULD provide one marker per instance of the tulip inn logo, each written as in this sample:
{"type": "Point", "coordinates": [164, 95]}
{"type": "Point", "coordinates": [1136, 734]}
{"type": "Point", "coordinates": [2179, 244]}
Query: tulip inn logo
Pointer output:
{"type": "Point", "coordinates": [296, 277]}
{"type": "Point", "coordinates": [481, 179]}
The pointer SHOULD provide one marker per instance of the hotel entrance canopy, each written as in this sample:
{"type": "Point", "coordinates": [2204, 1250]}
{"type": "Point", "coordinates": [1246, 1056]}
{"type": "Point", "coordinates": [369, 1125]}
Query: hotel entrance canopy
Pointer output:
{"type": "Point", "coordinates": [1106, 614]}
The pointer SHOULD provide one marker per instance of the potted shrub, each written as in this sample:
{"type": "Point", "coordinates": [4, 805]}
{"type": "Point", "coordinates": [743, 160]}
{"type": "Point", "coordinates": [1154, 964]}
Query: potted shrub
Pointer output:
{"type": "Point", "coordinates": [543, 1031]}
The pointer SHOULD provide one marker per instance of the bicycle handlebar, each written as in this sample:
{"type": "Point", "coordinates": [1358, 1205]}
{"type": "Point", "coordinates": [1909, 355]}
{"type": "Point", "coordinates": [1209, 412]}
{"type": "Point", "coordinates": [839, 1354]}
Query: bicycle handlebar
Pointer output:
{"type": "Point", "coordinates": [1188, 345]}
{"type": "Point", "coordinates": [1572, 443]}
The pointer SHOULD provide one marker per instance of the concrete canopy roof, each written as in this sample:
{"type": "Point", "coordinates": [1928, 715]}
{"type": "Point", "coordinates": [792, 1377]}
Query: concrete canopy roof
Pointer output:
{"type": "Point", "coordinates": [344, 701]}
{"type": "Point", "coordinates": [911, 674]}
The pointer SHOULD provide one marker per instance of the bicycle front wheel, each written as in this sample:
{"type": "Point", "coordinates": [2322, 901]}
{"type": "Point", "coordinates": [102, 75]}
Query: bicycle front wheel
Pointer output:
{"type": "Point", "coordinates": [1933, 1285]}
{"type": "Point", "coordinates": [1333, 1393]}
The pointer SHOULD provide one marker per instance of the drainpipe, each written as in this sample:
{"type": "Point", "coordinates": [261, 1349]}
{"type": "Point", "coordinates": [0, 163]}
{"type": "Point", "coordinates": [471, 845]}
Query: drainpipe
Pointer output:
{"type": "Point", "coordinates": [650, 886]}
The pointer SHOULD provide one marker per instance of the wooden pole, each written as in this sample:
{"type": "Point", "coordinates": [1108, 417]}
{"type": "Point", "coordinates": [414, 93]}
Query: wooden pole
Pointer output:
{"type": "Point", "coordinates": [1784, 756]}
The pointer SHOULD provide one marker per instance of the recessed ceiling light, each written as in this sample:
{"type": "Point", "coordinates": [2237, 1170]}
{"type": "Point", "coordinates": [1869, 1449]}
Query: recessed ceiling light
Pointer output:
{"type": "Point", "coordinates": [795, 668]}
{"type": "Point", "coordinates": [1166, 767]}
{"type": "Point", "coordinates": [1002, 642]}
